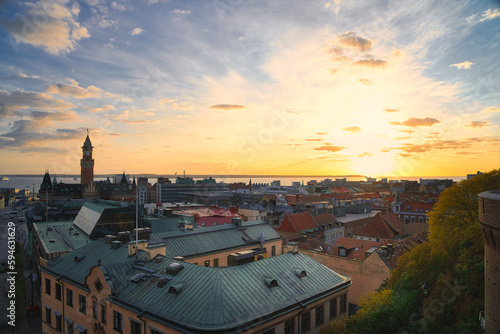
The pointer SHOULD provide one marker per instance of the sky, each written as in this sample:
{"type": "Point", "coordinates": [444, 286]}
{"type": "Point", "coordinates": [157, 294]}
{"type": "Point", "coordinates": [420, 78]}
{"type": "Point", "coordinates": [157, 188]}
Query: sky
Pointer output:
{"type": "Point", "coordinates": [230, 87]}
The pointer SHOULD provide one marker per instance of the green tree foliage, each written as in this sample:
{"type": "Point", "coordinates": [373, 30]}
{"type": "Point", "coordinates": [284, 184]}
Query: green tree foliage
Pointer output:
{"type": "Point", "coordinates": [451, 264]}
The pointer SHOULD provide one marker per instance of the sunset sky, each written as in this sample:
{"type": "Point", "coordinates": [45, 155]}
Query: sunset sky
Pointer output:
{"type": "Point", "coordinates": [398, 88]}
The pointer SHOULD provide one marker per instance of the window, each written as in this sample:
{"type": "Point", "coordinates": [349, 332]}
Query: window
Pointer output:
{"type": "Point", "coordinates": [343, 303]}
{"type": "Point", "coordinates": [69, 326]}
{"type": "Point", "coordinates": [268, 331]}
{"type": "Point", "coordinates": [273, 251]}
{"type": "Point", "coordinates": [320, 315]}
{"type": "Point", "coordinates": [82, 304]}
{"type": "Point", "coordinates": [58, 291]}
{"type": "Point", "coordinates": [305, 322]}
{"type": "Point", "coordinates": [216, 262]}
{"type": "Point", "coordinates": [342, 252]}
{"type": "Point", "coordinates": [412, 219]}
{"type": "Point", "coordinates": [117, 321]}
{"type": "Point", "coordinates": [135, 327]}
{"type": "Point", "coordinates": [48, 316]}
{"type": "Point", "coordinates": [420, 219]}
{"type": "Point", "coordinates": [47, 286]}
{"type": "Point", "coordinates": [333, 308]}
{"type": "Point", "coordinates": [58, 322]}
{"type": "Point", "coordinates": [207, 263]}
{"type": "Point", "coordinates": [69, 297]}
{"type": "Point", "coordinates": [155, 331]}
{"type": "Point", "coordinates": [289, 327]}
{"type": "Point", "coordinates": [94, 309]}
{"type": "Point", "coordinates": [103, 313]}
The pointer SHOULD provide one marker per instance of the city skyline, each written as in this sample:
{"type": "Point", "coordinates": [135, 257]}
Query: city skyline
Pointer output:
{"type": "Point", "coordinates": [251, 88]}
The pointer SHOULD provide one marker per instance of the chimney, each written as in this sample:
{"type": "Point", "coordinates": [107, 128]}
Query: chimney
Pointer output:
{"type": "Point", "coordinates": [116, 244]}
{"type": "Point", "coordinates": [236, 221]}
{"type": "Point", "coordinates": [293, 247]}
{"type": "Point", "coordinates": [157, 249]}
{"type": "Point", "coordinates": [261, 239]}
{"type": "Point", "coordinates": [141, 245]}
{"type": "Point", "coordinates": [383, 251]}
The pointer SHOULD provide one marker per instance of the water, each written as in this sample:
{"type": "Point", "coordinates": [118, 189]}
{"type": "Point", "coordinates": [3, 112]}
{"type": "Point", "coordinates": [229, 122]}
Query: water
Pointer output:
{"type": "Point", "coordinates": [33, 182]}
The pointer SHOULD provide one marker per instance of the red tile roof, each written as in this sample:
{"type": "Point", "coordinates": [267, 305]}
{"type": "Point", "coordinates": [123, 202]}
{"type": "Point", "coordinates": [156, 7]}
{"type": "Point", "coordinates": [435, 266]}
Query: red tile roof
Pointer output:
{"type": "Point", "coordinates": [417, 207]}
{"type": "Point", "coordinates": [324, 219]}
{"type": "Point", "coordinates": [356, 249]}
{"type": "Point", "coordinates": [402, 247]}
{"type": "Point", "coordinates": [298, 222]}
{"type": "Point", "coordinates": [377, 227]}
{"type": "Point", "coordinates": [212, 211]}
{"type": "Point", "coordinates": [214, 220]}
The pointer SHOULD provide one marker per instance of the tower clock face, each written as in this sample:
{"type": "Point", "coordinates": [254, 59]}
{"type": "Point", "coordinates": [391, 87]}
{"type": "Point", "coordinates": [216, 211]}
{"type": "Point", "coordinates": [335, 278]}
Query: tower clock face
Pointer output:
{"type": "Point", "coordinates": [87, 153]}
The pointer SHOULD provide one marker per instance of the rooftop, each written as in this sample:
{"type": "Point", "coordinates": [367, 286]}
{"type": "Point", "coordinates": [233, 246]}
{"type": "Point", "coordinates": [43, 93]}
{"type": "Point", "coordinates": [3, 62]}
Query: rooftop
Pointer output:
{"type": "Point", "coordinates": [60, 236]}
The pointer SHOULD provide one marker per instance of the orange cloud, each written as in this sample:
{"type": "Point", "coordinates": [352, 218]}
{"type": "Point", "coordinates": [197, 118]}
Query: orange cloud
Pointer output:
{"type": "Point", "coordinates": [391, 110]}
{"type": "Point", "coordinates": [330, 148]}
{"type": "Point", "coordinates": [321, 133]}
{"type": "Point", "coordinates": [366, 82]}
{"type": "Point", "coordinates": [477, 124]}
{"type": "Point", "coordinates": [373, 63]}
{"type": "Point", "coordinates": [351, 40]}
{"type": "Point", "coordinates": [415, 122]}
{"type": "Point", "coordinates": [228, 106]}
{"type": "Point", "coordinates": [315, 139]}
{"type": "Point", "coordinates": [72, 88]}
{"type": "Point", "coordinates": [352, 129]}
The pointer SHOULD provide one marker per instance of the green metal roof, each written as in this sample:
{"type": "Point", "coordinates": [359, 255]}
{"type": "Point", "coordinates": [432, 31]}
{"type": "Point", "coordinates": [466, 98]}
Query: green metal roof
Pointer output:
{"type": "Point", "coordinates": [224, 299]}
{"type": "Point", "coordinates": [59, 238]}
{"type": "Point", "coordinates": [166, 224]}
{"type": "Point", "coordinates": [202, 240]}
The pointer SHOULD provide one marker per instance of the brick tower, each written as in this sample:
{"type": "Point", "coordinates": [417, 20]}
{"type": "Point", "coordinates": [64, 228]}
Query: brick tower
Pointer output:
{"type": "Point", "coordinates": [489, 217]}
{"type": "Point", "coordinates": [87, 163]}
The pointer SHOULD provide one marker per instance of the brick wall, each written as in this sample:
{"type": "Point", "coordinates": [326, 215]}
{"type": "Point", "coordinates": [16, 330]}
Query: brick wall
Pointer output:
{"type": "Point", "coordinates": [489, 216]}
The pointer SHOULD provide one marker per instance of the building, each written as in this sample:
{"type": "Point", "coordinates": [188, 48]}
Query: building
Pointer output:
{"type": "Point", "coordinates": [107, 288]}
{"type": "Point", "coordinates": [166, 191]}
{"type": "Point", "coordinates": [87, 162]}
{"type": "Point", "coordinates": [489, 217]}
{"type": "Point", "coordinates": [305, 225]}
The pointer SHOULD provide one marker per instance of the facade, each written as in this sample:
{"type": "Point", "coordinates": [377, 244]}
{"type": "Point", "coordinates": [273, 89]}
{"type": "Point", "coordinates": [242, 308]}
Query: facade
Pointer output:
{"type": "Point", "coordinates": [87, 163]}
{"type": "Point", "coordinates": [489, 217]}
{"type": "Point", "coordinates": [173, 192]}
{"type": "Point", "coordinates": [110, 289]}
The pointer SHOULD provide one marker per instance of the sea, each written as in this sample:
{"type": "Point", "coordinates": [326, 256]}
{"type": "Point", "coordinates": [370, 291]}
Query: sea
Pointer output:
{"type": "Point", "coordinates": [32, 182]}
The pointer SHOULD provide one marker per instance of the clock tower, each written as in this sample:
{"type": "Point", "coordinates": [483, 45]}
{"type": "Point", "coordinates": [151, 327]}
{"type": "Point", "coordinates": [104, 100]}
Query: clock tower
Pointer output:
{"type": "Point", "coordinates": [87, 163]}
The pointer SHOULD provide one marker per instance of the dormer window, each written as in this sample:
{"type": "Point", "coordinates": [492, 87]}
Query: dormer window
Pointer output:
{"type": "Point", "coordinates": [342, 251]}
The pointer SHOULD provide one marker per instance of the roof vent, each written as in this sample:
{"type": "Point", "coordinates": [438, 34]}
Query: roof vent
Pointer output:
{"type": "Point", "coordinates": [137, 278]}
{"type": "Point", "coordinates": [162, 281]}
{"type": "Point", "coordinates": [71, 228]}
{"type": "Point", "coordinates": [76, 233]}
{"type": "Point", "coordinates": [270, 282]}
{"type": "Point", "coordinates": [300, 273]}
{"type": "Point", "coordinates": [78, 258]}
{"type": "Point", "coordinates": [176, 289]}
{"type": "Point", "coordinates": [174, 268]}
{"type": "Point", "coordinates": [52, 240]}
{"type": "Point", "coordinates": [116, 244]}
{"type": "Point", "coordinates": [49, 228]}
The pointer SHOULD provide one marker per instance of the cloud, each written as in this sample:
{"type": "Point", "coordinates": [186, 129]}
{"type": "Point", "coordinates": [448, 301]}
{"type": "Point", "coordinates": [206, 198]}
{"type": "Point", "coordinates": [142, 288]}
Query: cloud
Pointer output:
{"type": "Point", "coordinates": [106, 107]}
{"type": "Point", "coordinates": [490, 110]}
{"type": "Point", "coordinates": [329, 148]}
{"type": "Point", "coordinates": [49, 25]}
{"type": "Point", "coordinates": [365, 154]}
{"type": "Point", "coordinates": [212, 138]}
{"type": "Point", "coordinates": [175, 104]}
{"type": "Point", "coordinates": [315, 139]}
{"type": "Point", "coordinates": [465, 65]}
{"type": "Point", "coordinates": [490, 15]}
{"type": "Point", "coordinates": [366, 82]}
{"type": "Point", "coordinates": [351, 40]}
{"type": "Point", "coordinates": [181, 12]}
{"type": "Point", "coordinates": [406, 131]}
{"type": "Point", "coordinates": [321, 133]}
{"type": "Point", "coordinates": [477, 124]}
{"type": "Point", "coordinates": [415, 122]}
{"type": "Point", "coordinates": [107, 23]}
{"type": "Point", "coordinates": [373, 63]}
{"type": "Point", "coordinates": [341, 59]}
{"type": "Point", "coordinates": [336, 50]}
{"type": "Point", "coordinates": [119, 7]}
{"type": "Point", "coordinates": [391, 110]}
{"type": "Point", "coordinates": [228, 106]}
{"type": "Point", "coordinates": [398, 53]}
{"type": "Point", "coordinates": [18, 100]}
{"type": "Point", "coordinates": [19, 76]}
{"type": "Point", "coordinates": [72, 88]}
{"type": "Point", "coordinates": [136, 31]}
{"type": "Point", "coordinates": [132, 116]}
{"type": "Point", "coordinates": [28, 135]}
{"type": "Point", "coordinates": [352, 129]}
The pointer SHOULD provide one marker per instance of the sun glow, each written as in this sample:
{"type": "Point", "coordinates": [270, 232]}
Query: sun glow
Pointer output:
{"type": "Point", "coordinates": [374, 165]}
